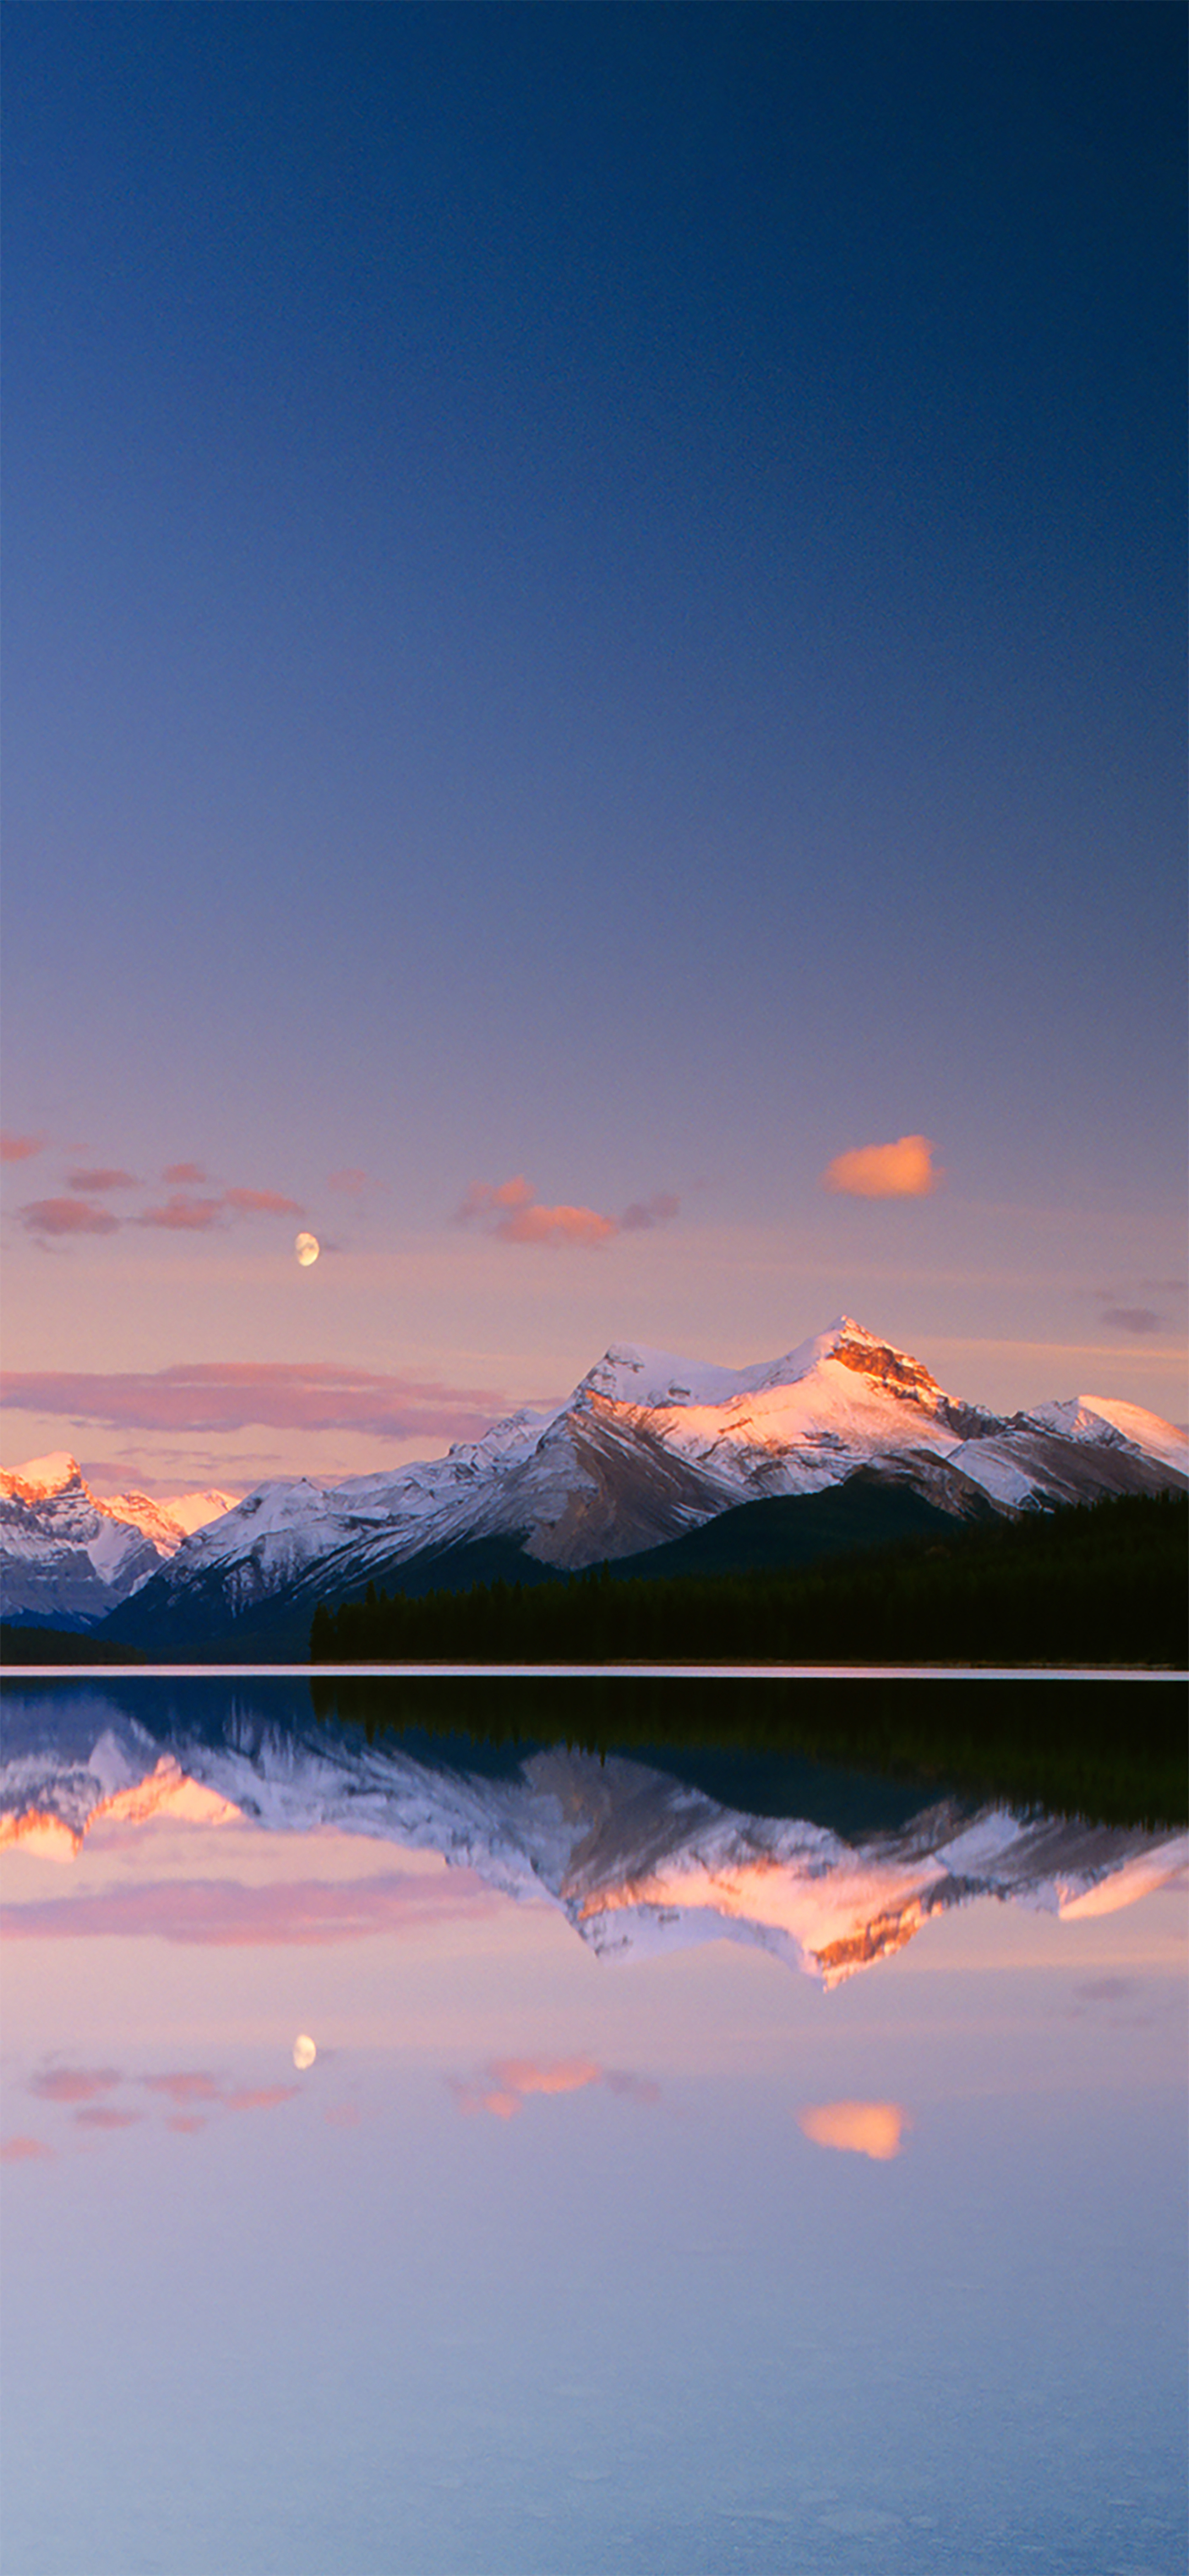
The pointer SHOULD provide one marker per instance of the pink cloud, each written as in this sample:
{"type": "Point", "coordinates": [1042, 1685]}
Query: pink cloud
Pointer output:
{"type": "Point", "coordinates": [261, 1203]}
{"type": "Point", "coordinates": [103, 2117]}
{"type": "Point", "coordinates": [185, 2087]}
{"type": "Point", "coordinates": [100, 1180]}
{"type": "Point", "coordinates": [227, 1395]}
{"type": "Point", "coordinates": [17, 1149]}
{"type": "Point", "coordinates": [858, 2128]}
{"type": "Point", "coordinates": [66, 1216]}
{"type": "Point", "coordinates": [555, 1225]}
{"type": "Point", "coordinates": [183, 1215]}
{"type": "Point", "coordinates": [506, 2084]}
{"type": "Point", "coordinates": [264, 2097]}
{"type": "Point", "coordinates": [181, 1175]}
{"type": "Point", "coordinates": [512, 1211]}
{"type": "Point", "coordinates": [188, 2087]}
{"type": "Point", "coordinates": [904, 1170]}
{"type": "Point", "coordinates": [74, 2083]}
{"type": "Point", "coordinates": [222, 1913]}
{"type": "Point", "coordinates": [351, 1181]}
{"type": "Point", "coordinates": [22, 2150]}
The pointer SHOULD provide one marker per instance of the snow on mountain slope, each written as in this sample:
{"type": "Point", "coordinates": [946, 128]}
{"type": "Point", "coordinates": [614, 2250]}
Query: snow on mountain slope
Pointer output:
{"type": "Point", "coordinates": [70, 1554]}
{"type": "Point", "coordinates": [166, 1520]}
{"type": "Point", "coordinates": [650, 1445]}
{"type": "Point", "coordinates": [638, 1860]}
{"type": "Point", "coordinates": [647, 1447]}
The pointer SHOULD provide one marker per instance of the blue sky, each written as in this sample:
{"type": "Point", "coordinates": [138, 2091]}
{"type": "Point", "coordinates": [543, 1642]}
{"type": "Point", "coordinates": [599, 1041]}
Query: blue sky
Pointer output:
{"type": "Point", "coordinates": [594, 597]}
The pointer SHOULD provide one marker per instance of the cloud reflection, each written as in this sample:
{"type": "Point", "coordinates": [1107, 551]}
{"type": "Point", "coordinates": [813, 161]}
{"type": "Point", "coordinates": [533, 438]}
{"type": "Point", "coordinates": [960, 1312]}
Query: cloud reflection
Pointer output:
{"type": "Point", "coordinates": [870, 2129]}
{"type": "Point", "coordinates": [503, 2086]}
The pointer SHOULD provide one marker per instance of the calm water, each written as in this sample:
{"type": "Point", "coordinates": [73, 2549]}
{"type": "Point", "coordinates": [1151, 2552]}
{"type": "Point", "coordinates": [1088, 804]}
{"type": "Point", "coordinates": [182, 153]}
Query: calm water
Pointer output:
{"type": "Point", "coordinates": [702, 2166]}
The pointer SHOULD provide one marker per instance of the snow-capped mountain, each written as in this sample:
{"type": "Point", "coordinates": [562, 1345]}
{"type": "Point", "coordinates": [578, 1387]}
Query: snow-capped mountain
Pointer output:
{"type": "Point", "coordinates": [647, 1448]}
{"type": "Point", "coordinates": [638, 1860]}
{"type": "Point", "coordinates": [69, 1555]}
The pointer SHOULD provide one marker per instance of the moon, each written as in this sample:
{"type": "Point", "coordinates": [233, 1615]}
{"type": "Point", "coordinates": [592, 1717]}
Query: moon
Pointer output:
{"type": "Point", "coordinates": [304, 2051]}
{"type": "Point", "coordinates": [307, 1248]}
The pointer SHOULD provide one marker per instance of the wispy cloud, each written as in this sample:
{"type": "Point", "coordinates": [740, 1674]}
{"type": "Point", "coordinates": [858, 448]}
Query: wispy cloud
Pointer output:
{"type": "Point", "coordinates": [227, 1395]}
{"type": "Point", "coordinates": [351, 1182]}
{"type": "Point", "coordinates": [903, 1170]}
{"type": "Point", "coordinates": [261, 1203]}
{"type": "Point", "coordinates": [512, 1211]}
{"type": "Point", "coordinates": [503, 2086]}
{"type": "Point", "coordinates": [870, 2129]}
{"type": "Point", "coordinates": [103, 2115]}
{"type": "Point", "coordinates": [74, 2083]}
{"type": "Point", "coordinates": [92, 1181]}
{"type": "Point", "coordinates": [186, 1210]}
{"type": "Point", "coordinates": [22, 2150]}
{"type": "Point", "coordinates": [223, 1914]}
{"type": "Point", "coordinates": [66, 1216]}
{"type": "Point", "coordinates": [187, 1214]}
{"type": "Point", "coordinates": [18, 1149]}
{"type": "Point", "coordinates": [183, 1215]}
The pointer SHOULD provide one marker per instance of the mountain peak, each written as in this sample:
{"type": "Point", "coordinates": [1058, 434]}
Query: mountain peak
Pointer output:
{"type": "Point", "coordinates": [855, 1348]}
{"type": "Point", "coordinates": [38, 1478]}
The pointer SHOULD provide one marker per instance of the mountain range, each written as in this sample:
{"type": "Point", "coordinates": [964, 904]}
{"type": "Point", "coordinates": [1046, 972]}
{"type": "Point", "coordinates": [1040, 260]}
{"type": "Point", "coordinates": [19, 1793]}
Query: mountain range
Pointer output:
{"type": "Point", "coordinates": [638, 1859]}
{"type": "Point", "coordinates": [843, 1441]}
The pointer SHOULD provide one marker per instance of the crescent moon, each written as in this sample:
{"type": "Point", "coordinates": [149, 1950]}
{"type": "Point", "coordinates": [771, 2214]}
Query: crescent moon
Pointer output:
{"type": "Point", "coordinates": [307, 1248]}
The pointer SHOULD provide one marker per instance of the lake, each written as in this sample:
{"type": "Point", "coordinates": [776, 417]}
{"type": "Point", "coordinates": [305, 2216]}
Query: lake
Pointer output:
{"type": "Point", "coordinates": [460, 2157]}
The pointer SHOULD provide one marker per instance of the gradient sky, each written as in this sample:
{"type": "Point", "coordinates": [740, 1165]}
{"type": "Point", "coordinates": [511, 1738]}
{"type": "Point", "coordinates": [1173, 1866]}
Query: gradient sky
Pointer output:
{"type": "Point", "coordinates": [594, 622]}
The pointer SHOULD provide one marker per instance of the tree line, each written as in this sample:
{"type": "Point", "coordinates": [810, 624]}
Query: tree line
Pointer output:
{"type": "Point", "coordinates": [1102, 1583]}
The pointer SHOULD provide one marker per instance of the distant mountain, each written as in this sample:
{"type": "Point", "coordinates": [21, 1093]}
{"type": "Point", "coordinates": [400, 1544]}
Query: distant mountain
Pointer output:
{"type": "Point", "coordinates": [854, 1434]}
{"type": "Point", "coordinates": [68, 1556]}
{"type": "Point", "coordinates": [637, 1859]}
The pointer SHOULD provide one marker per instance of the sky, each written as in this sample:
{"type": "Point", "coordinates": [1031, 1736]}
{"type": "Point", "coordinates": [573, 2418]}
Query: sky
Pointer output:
{"type": "Point", "coordinates": [594, 710]}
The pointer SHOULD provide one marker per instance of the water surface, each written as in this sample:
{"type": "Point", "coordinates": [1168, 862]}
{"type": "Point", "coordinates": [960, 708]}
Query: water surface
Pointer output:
{"type": "Point", "coordinates": [702, 2166]}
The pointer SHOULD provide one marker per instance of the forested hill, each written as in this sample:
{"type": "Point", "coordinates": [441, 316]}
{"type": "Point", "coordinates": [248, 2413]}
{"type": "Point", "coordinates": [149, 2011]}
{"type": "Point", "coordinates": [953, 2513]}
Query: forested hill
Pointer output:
{"type": "Point", "coordinates": [1105, 1583]}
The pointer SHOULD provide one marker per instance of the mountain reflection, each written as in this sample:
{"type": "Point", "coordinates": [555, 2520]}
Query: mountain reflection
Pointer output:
{"type": "Point", "coordinates": [827, 1872]}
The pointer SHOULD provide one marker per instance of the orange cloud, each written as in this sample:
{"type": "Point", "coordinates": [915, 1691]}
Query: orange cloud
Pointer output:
{"type": "Point", "coordinates": [511, 1210]}
{"type": "Point", "coordinates": [178, 1175]}
{"type": "Point", "coordinates": [228, 1395]}
{"type": "Point", "coordinates": [17, 1149]}
{"type": "Point", "coordinates": [858, 2128]}
{"type": "Point", "coordinates": [66, 1216]}
{"type": "Point", "coordinates": [904, 1170]}
{"type": "Point", "coordinates": [22, 2150]}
